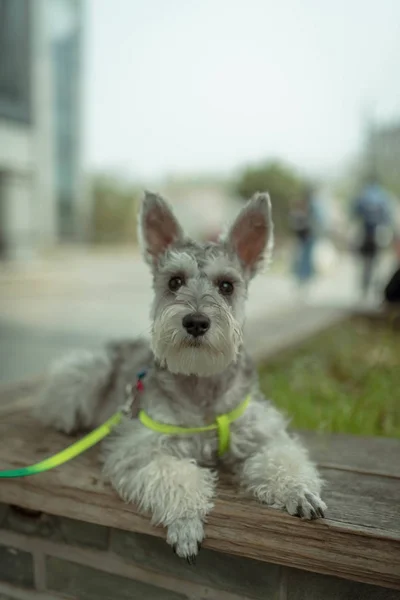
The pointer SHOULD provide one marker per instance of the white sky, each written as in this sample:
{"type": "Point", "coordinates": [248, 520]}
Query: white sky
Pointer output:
{"type": "Point", "coordinates": [207, 85]}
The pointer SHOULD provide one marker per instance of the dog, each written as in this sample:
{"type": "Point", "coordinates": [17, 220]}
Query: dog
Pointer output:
{"type": "Point", "coordinates": [197, 369]}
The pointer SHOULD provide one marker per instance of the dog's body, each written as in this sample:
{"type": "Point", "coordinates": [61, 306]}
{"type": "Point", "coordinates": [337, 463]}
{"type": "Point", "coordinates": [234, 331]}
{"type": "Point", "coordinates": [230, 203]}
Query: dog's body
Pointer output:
{"type": "Point", "coordinates": [197, 369]}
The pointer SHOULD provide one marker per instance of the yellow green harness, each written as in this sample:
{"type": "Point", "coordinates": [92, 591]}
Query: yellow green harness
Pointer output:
{"type": "Point", "coordinates": [221, 425]}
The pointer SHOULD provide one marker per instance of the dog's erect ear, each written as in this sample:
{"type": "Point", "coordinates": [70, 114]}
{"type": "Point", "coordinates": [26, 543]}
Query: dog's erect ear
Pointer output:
{"type": "Point", "coordinates": [158, 227]}
{"type": "Point", "coordinates": [251, 235]}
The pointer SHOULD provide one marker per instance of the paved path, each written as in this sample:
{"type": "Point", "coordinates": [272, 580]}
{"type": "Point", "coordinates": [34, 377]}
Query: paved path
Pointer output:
{"type": "Point", "coordinates": [81, 300]}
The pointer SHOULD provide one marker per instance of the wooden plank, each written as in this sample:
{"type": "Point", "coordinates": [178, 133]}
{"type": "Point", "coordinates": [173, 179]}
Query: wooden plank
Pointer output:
{"type": "Point", "coordinates": [374, 455]}
{"type": "Point", "coordinates": [359, 540]}
{"type": "Point", "coordinates": [13, 394]}
{"type": "Point", "coordinates": [236, 526]}
{"type": "Point", "coordinates": [365, 501]}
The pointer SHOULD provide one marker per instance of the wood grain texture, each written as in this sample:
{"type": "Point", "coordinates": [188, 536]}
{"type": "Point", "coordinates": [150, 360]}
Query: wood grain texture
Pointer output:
{"type": "Point", "coordinates": [17, 395]}
{"type": "Point", "coordinates": [359, 539]}
{"type": "Point", "coordinates": [374, 455]}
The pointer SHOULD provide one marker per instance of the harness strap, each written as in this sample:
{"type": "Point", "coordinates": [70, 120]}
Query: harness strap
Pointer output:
{"type": "Point", "coordinates": [224, 434]}
{"type": "Point", "coordinates": [221, 425]}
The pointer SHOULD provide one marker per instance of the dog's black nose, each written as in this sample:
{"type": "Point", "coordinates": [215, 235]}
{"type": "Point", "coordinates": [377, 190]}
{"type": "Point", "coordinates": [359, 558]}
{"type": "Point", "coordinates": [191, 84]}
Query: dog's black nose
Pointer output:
{"type": "Point", "coordinates": [196, 324]}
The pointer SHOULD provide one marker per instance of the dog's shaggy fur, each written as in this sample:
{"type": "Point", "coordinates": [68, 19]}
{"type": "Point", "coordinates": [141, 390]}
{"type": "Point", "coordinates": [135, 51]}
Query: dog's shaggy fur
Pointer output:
{"type": "Point", "coordinates": [190, 380]}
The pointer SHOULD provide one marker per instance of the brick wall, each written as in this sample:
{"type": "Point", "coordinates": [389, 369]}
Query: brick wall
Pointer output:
{"type": "Point", "coordinates": [43, 557]}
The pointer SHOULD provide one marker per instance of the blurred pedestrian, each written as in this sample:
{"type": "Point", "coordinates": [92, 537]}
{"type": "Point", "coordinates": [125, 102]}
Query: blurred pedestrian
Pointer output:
{"type": "Point", "coordinates": [372, 209]}
{"type": "Point", "coordinates": [392, 288]}
{"type": "Point", "coordinates": [305, 220]}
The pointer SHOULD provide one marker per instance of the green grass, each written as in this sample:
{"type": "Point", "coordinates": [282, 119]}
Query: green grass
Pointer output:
{"type": "Point", "coordinates": [346, 379]}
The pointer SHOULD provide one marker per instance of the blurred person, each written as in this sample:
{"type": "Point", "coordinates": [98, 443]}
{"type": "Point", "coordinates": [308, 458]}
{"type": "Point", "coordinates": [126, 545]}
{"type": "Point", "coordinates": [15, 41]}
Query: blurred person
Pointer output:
{"type": "Point", "coordinates": [372, 209]}
{"type": "Point", "coordinates": [392, 288]}
{"type": "Point", "coordinates": [305, 221]}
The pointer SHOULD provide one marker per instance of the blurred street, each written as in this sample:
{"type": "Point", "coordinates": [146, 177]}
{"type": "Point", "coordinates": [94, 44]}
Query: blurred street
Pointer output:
{"type": "Point", "coordinates": [73, 169]}
{"type": "Point", "coordinates": [79, 300]}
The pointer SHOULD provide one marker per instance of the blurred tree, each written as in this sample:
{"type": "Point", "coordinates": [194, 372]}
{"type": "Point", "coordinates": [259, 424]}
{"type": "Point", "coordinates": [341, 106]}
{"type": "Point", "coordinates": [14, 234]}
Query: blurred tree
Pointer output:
{"type": "Point", "coordinates": [114, 208]}
{"type": "Point", "coordinates": [280, 180]}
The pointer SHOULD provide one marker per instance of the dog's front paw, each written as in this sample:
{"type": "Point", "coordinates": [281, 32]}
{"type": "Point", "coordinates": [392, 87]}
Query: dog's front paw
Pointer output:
{"type": "Point", "coordinates": [305, 505]}
{"type": "Point", "coordinates": [185, 537]}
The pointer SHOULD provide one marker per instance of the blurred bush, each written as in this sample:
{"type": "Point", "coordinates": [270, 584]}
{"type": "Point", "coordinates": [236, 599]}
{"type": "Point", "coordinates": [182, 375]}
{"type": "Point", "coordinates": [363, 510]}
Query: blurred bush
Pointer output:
{"type": "Point", "coordinates": [113, 215]}
{"type": "Point", "coordinates": [281, 181]}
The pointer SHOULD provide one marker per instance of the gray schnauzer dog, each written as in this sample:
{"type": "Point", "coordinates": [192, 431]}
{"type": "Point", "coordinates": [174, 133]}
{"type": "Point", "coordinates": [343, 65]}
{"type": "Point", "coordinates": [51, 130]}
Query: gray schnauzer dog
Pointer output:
{"type": "Point", "coordinates": [197, 369]}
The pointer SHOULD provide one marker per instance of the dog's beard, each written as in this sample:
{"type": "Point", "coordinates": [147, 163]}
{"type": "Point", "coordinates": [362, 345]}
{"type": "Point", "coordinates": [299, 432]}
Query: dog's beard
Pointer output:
{"type": "Point", "coordinates": [203, 356]}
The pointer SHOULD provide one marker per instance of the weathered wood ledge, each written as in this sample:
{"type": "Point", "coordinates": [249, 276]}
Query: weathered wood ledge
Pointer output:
{"type": "Point", "coordinates": [359, 540]}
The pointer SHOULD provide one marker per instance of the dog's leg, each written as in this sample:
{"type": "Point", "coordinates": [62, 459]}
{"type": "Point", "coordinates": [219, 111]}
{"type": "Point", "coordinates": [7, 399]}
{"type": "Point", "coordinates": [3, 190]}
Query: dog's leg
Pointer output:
{"type": "Point", "coordinates": [175, 491]}
{"type": "Point", "coordinates": [70, 397]}
{"type": "Point", "coordinates": [281, 475]}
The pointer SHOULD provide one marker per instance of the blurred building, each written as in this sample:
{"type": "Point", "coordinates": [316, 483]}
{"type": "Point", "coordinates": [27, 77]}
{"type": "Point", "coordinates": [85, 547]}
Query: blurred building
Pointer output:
{"type": "Point", "coordinates": [40, 132]}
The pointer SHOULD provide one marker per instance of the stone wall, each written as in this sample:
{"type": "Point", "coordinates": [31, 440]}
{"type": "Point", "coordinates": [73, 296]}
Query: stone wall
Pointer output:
{"type": "Point", "coordinates": [44, 557]}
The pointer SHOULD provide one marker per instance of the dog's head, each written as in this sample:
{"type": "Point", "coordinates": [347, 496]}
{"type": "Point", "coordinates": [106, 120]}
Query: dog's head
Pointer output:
{"type": "Point", "coordinates": [200, 289]}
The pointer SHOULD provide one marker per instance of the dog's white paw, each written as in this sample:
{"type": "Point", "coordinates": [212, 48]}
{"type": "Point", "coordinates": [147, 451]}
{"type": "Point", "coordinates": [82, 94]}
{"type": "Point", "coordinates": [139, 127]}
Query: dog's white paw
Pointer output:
{"type": "Point", "coordinates": [304, 504]}
{"type": "Point", "coordinates": [185, 537]}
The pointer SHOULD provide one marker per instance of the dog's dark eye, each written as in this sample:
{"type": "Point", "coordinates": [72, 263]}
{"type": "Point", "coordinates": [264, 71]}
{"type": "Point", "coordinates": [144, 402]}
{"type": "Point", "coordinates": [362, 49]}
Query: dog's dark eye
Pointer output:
{"type": "Point", "coordinates": [175, 283]}
{"type": "Point", "coordinates": [226, 288]}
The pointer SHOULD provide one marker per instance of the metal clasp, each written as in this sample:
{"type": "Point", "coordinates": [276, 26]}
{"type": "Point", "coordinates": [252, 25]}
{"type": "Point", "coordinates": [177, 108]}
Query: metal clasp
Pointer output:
{"type": "Point", "coordinates": [130, 397]}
